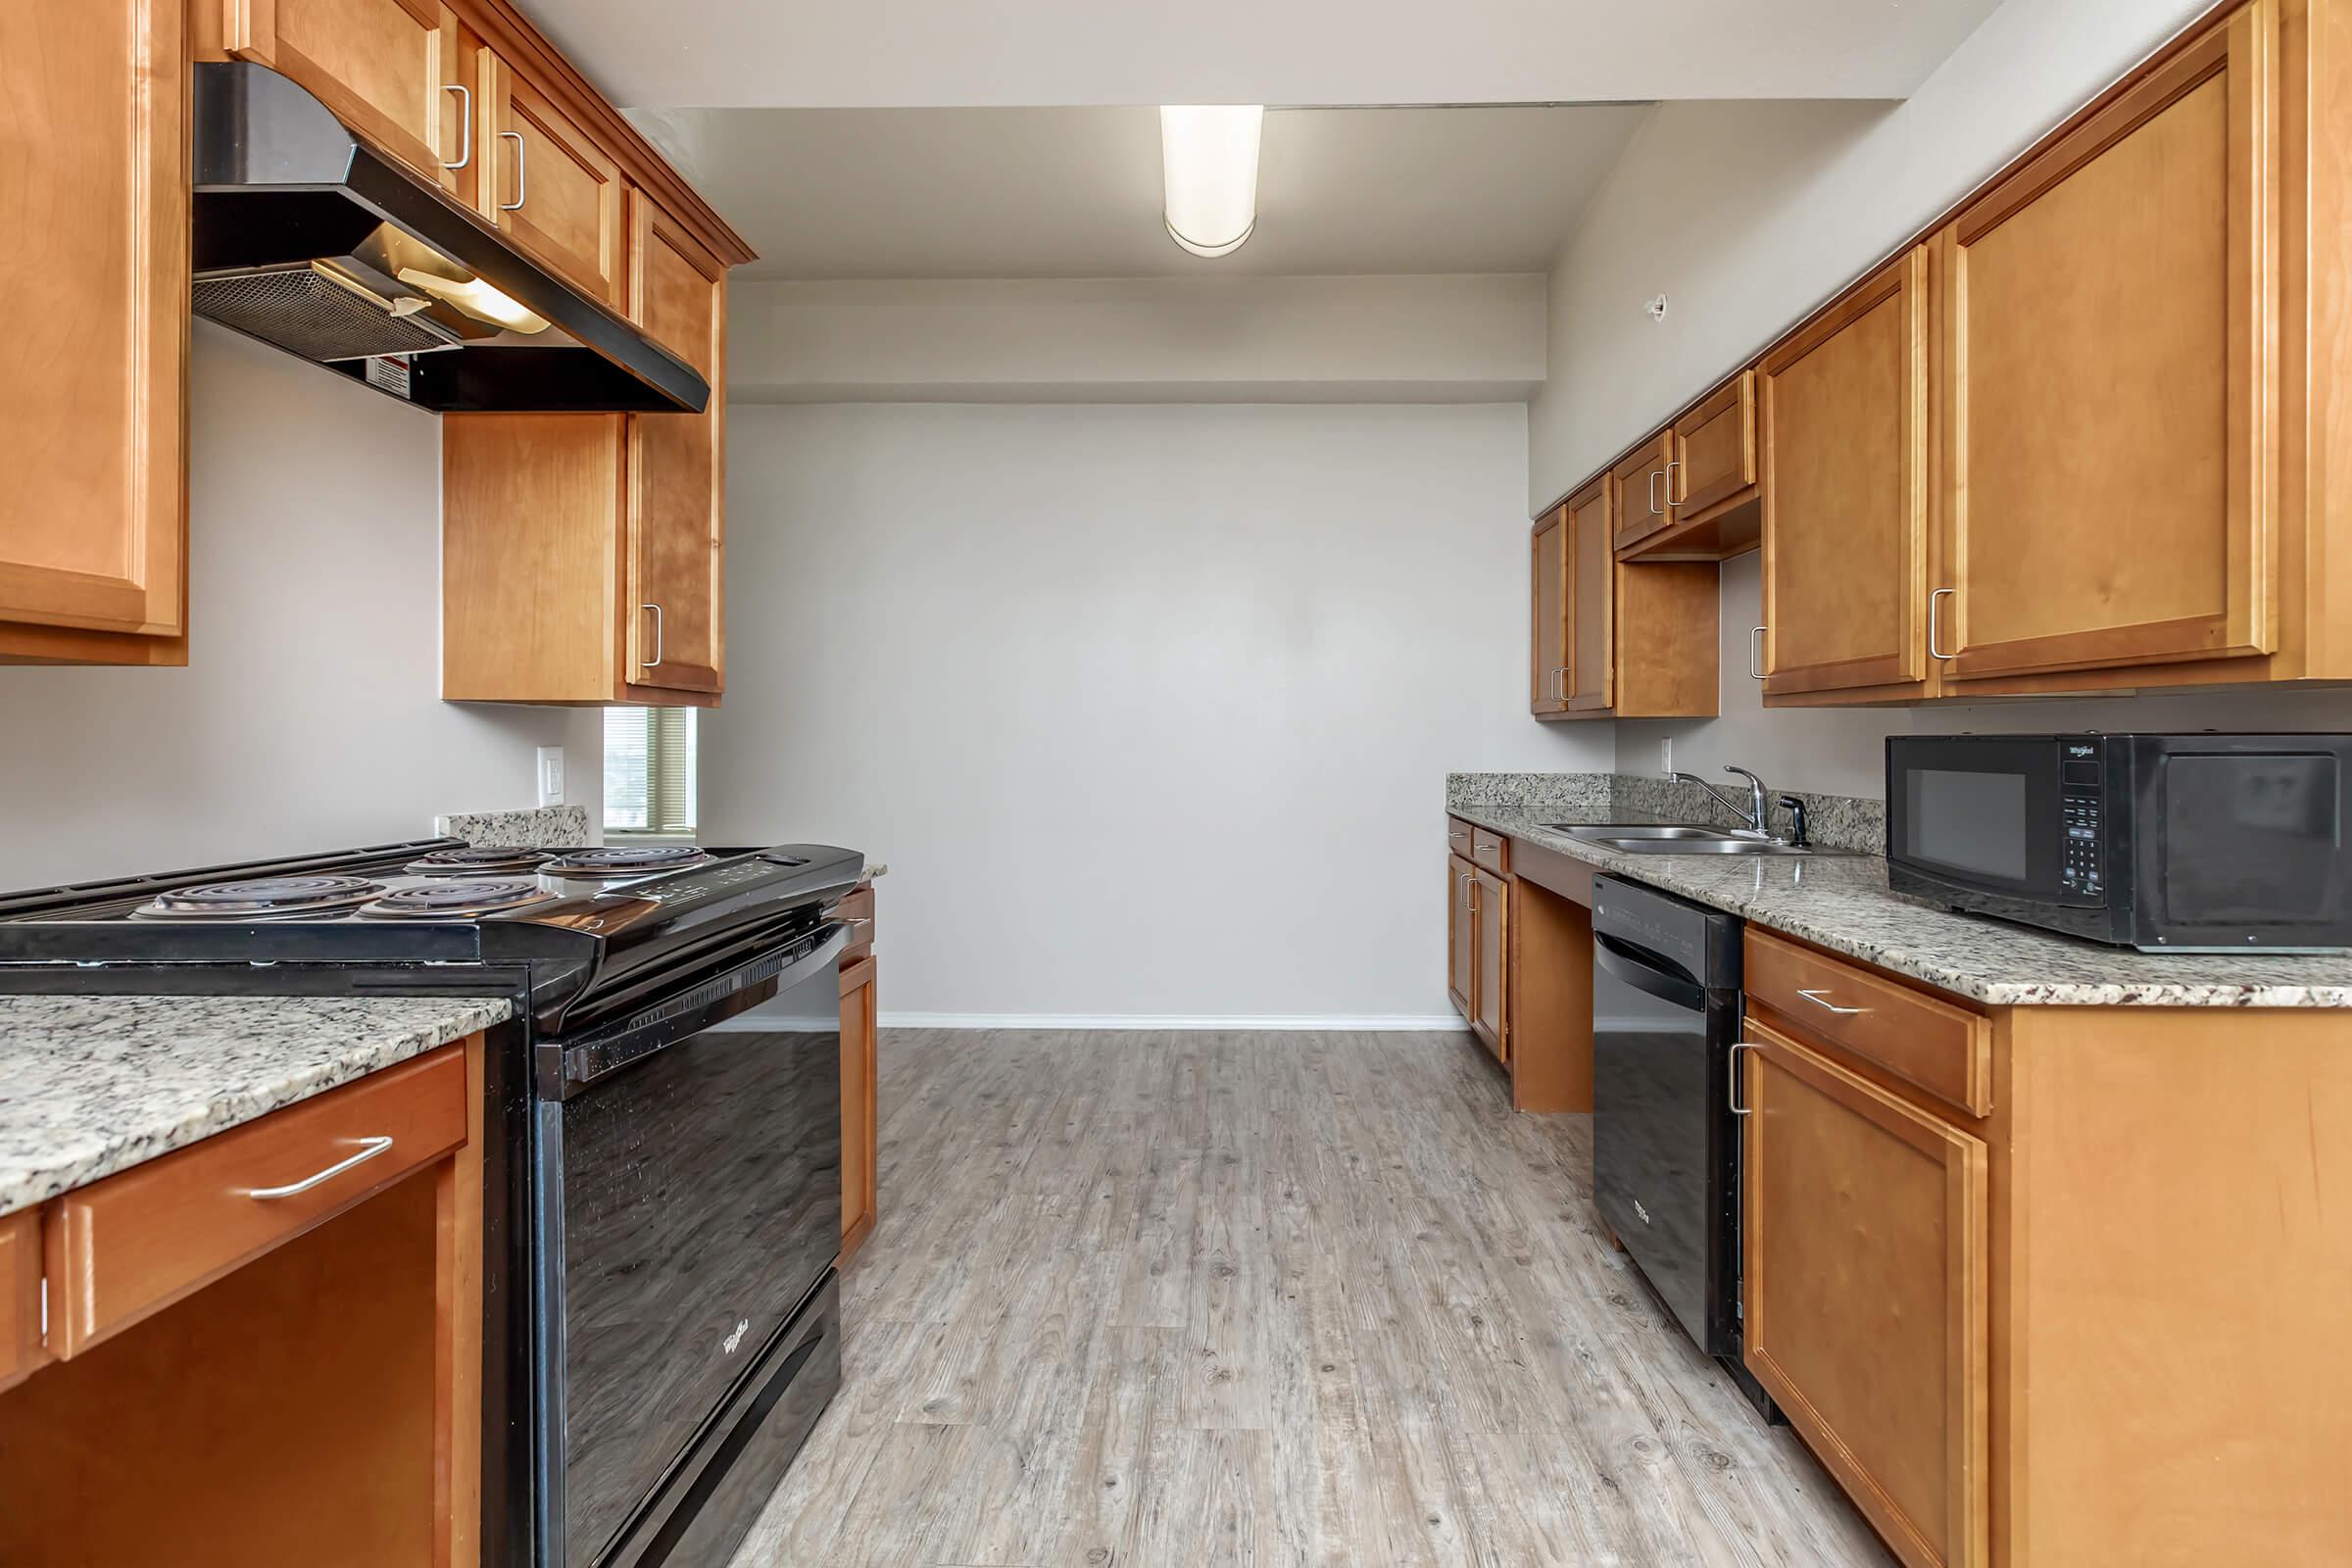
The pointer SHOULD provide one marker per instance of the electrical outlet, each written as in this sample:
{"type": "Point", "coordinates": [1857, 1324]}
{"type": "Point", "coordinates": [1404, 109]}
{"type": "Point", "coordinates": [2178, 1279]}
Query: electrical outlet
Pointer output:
{"type": "Point", "coordinates": [1666, 759]}
{"type": "Point", "coordinates": [551, 775]}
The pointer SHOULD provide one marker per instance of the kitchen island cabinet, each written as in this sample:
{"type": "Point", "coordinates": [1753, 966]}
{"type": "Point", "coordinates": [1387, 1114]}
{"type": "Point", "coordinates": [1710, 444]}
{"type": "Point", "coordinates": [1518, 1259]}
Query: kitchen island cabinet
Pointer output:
{"type": "Point", "coordinates": [264, 1346]}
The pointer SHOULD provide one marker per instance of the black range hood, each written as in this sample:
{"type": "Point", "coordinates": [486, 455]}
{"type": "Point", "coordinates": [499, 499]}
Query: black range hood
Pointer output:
{"type": "Point", "coordinates": [309, 239]}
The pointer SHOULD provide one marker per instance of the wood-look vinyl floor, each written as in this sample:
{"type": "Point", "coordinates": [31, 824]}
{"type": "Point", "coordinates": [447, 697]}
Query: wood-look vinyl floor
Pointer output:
{"type": "Point", "coordinates": [1187, 1301]}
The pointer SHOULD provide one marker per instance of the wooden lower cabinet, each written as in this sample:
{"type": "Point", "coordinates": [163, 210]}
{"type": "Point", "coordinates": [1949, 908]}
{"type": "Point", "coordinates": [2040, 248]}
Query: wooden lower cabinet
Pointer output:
{"type": "Point", "coordinates": [860, 1117]}
{"type": "Point", "coordinates": [1865, 1291]}
{"type": "Point", "coordinates": [1461, 936]}
{"type": "Point", "coordinates": [2100, 1322]}
{"type": "Point", "coordinates": [242, 1377]}
{"type": "Point", "coordinates": [1490, 917]}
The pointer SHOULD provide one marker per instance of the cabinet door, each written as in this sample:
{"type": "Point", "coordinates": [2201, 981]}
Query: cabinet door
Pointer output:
{"type": "Point", "coordinates": [387, 67]}
{"type": "Point", "coordinates": [2111, 377]}
{"type": "Point", "coordinates": [21, 1332]}
{"type": "Point", "coordinates": [1844, 413]}
{"type": "Point", "coordinates": [1714, 465]}
{"type": "Point", "coordinates": [551, 185]}
{"type": "Point", "coordinates": [1461, 936]}
{"type": "Point", "coordinates": [858, 1119]}
{"type": "Point", "coordinates": [677, 293]}
{"type": "Point", "coordinates": [1490, 1015]}
{"type": "Point", "coordinates": [1591, 602]}
{"type": "Point", "coordinates": [94, 266]}
{"type": "Point", "coordinates": [1865, 1293]}
{"type": "Point", "coordinates": [1641, 496]}
{"type": "Point", "coordinates": [1549, 665]}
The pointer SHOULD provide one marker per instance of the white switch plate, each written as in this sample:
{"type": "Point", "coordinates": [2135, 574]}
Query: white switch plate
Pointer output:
{"type": "Point", "coordinates": [1666, 759]}
{"type": "Point", "coordinates": [551, 775]}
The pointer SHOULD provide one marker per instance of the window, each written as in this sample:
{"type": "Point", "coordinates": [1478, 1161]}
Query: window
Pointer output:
{"type": "Point", "coordinates": [649, 771]}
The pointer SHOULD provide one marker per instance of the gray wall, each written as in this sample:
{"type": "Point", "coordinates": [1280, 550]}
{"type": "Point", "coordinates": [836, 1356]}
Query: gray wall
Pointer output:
{"type": "Point", "coordinates": [308, 714]}
{"type": "Point", "coordinates": [1149, 707]}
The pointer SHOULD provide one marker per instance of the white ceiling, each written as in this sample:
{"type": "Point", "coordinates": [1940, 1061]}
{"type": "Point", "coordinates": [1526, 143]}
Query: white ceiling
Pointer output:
{"type": "Point", "coordinates": [933, 53]}
{"type": "Point", "coordinates": [912, 193]}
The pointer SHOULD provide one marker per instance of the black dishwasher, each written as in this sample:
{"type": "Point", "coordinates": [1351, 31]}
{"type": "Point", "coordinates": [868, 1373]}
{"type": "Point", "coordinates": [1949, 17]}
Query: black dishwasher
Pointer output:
{"type": "Point", "coordinates": [1665, 1137]}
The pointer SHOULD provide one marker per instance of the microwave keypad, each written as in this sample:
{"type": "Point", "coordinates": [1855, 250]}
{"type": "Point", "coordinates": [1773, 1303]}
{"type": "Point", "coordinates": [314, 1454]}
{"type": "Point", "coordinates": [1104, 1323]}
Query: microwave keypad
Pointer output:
{"type": "Point", "coordinates": [2079, 870]}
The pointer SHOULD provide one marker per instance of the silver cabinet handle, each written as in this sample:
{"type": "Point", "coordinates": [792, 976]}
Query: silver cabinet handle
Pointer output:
{"type": "Point", "coordinates": [1467, 885]}
{"type": "Point", "coordinates": [1755, 651]}
{"type": "Point", "coordinates": [1655, 474]}
{"type": "Point", "coordinates": [873, 871]}
{"type": "Point", "coordinates": [464, 121]}
{"type": "Point", "coordinates": [1557, 695]}
{"type": "Point", "coordinates": [521, 160]}
{"type": "Point", "coordinates": [1456, 833]}
{"type": "Point", "coordinates": [1814, 997]}
{"type": "Point", "coordinates": [1670, 467]}
{"type": "Point", "coordinates": [369, 1148]}
{"type": "Point", "coordinates": [1936, 622]}
{"type": "Point", "coordinates": [1733, 1088]}
{"type": "Point", "coordinates": [649, 664]}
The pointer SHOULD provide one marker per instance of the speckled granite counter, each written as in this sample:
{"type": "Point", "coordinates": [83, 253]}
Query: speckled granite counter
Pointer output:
{"type": "Point", "coordinates": [1843, 903]}
{"type": "Point", "coordinates": [91, 1085]}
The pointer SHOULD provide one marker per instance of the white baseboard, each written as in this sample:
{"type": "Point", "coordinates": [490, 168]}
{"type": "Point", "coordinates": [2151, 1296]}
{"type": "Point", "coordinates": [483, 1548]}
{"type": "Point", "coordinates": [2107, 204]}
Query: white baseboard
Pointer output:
{"type": "Point", "coordinates": [1390, 1023]}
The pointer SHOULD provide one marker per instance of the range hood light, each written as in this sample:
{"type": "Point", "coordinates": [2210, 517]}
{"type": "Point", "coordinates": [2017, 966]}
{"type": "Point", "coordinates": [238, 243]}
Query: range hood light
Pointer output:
{"type": "Point", "coordinates": [476, 299]}
{"type": "Point", "coordinates": [1208, 158]}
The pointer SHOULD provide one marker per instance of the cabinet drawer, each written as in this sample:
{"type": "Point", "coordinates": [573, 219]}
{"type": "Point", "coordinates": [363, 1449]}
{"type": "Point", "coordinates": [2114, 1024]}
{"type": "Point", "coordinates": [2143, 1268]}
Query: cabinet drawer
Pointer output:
{"type": "Point", "coordinates": [20, 1295]}
{"type": "Point", "coordinates": [1490, 852]}
{"type": "Point", "coordinates": [1644, 495]}
{"type": "Point", "coordinates": [1935, 1044]}
{"type": "Point", "coordinates": [856, 911]}
{"type": "Point", "coordinates": [132, 1244]}
{"type": "Point", "coordinates": [1715, 451]}
{"type": "Point", "coordinates": [1457, 837]}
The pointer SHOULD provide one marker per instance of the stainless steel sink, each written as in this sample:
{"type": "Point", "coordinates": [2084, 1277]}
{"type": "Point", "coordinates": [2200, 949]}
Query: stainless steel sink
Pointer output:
{"type": "Point", "coordinates": [1646, 838]}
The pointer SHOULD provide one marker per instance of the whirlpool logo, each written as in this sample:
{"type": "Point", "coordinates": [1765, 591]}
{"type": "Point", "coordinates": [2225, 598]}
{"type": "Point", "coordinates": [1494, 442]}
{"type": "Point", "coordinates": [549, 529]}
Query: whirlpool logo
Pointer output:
{"type": "Point", "coordinates": [743, 1325]}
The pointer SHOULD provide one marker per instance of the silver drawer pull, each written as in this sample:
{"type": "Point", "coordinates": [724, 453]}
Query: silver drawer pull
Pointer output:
{"type": "Point", "coordinates": [369, 1148]}
{"type": "Point", "coordinates": [1814, 997]}
{"type": "Point", "coordinates": [1737, 1110]}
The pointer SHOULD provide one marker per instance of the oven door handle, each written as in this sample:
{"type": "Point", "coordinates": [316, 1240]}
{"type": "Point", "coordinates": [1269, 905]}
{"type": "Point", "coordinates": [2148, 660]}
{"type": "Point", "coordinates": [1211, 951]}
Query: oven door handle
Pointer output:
{"type": "Point", "coordinates": [610, 1048]}
{"type": "Point", "coordinates": [1621, 961]}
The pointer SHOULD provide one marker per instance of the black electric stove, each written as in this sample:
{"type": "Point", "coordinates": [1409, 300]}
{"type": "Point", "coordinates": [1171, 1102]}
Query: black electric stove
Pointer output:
{"type": "Point", "coordinates": [664, 1185]}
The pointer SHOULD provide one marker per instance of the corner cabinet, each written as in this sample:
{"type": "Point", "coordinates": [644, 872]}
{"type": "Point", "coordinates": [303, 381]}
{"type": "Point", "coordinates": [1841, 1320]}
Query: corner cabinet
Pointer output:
{"type": "Point", "coordinates": [93, 542]}
{"type": "Point", "coordinates": [614, 521]}
{"type": "Point", "coordinates": [1614, 639]}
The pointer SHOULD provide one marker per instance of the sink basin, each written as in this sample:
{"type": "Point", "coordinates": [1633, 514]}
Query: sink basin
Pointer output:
{"type": "Point", "coordinates": [1645, 838]}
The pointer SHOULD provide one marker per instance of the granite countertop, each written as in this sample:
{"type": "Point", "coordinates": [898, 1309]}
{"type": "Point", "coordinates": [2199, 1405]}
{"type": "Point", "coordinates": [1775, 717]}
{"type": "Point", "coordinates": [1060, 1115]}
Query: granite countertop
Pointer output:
{"type": "Point", "coordinates": [92, 1085]}
{"type": "Point", "coordinates": [1843, 903]}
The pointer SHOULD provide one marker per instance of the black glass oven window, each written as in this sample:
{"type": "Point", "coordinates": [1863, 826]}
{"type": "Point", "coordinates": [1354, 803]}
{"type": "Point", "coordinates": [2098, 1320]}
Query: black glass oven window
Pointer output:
{"type": "Point", "coordinates": [1972, 822]}
{"type": "Point", "coordinates": [2249, 840]}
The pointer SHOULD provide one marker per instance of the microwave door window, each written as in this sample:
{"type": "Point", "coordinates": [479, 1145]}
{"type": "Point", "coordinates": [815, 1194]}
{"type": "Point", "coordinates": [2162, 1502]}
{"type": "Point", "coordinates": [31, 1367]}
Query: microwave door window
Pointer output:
{"type": "Point", "coordinates": [1971, 822]}
{"type": "Point", "coordinates": [2250, 840]}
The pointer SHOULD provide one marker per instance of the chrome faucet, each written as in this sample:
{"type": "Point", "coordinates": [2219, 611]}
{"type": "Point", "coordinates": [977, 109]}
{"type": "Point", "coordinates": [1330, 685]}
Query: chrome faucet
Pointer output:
{"type": "Point", "coordinates": [1752, 813]}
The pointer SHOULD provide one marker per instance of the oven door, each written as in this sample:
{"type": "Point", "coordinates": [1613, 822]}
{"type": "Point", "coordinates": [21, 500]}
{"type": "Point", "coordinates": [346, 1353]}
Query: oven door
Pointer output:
{"type": "Point", "coordinates": [689, 1202]}
{"type": "Point", "coordinates": [1980, 812]}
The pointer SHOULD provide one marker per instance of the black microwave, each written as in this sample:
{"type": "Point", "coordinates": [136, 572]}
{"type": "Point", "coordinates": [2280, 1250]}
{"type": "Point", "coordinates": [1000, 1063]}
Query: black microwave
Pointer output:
{"type": "Point", "coordinates": [2169, 843]}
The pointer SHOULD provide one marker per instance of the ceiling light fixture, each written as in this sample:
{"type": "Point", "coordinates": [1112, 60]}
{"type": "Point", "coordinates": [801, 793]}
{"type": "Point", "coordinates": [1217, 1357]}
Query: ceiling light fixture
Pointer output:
{"type": "Point", "coordinates": [1208, 156]}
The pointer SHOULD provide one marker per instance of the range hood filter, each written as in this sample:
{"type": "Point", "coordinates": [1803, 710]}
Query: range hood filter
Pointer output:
{"type": "Point", "coordinates": [305, 310]}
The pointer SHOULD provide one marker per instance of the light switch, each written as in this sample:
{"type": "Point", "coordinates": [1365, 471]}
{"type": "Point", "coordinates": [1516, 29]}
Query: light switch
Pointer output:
{"type": "Point", "coordinates": [551, 775]}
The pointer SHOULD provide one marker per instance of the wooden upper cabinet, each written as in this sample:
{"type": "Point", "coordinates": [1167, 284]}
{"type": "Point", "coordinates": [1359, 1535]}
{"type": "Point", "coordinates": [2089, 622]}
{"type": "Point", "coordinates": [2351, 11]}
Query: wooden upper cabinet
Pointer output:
{"type": "Point", "coordinates": [388, 69]}
{"type": "Point", "coordinates": [1591, 602]}
{"type": "Point", "coordinates": [94, 266]}
{"type": "Point", "coordinates": [1547, 609]}
{"type": "Point", "coordinates": [677, 293]}
{"type": "Point", "coordinates": [1708, 486]}
{"type": "Point", "coordinates": [2111, 379]}
{"type": "Point", "coordinates": [1640, 492]}
{"type": "Point", "coordinates": [1843, 414]}
{"type": "Point", "coordinates": [550, 184]}
{"type": "Point", "coordinates": [1866, 1293]}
